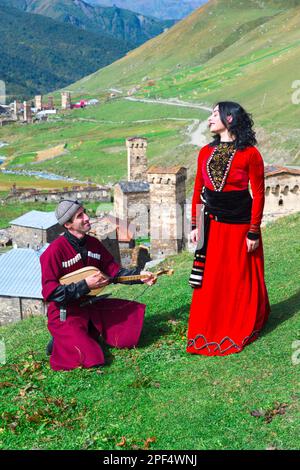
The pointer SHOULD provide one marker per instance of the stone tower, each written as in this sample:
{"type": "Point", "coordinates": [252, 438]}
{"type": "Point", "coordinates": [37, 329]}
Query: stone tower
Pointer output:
{"type": "Point", "coordinates": [137, 159]}
{"type": "Point", "coordinates": [50, 102]}
{"type": "Point", "coordinates": [16, 109]}
{"type": "Point", "coordinates": [167, 210]}
{"type": "Point", "coordinates": [65, 100]}
{"type": "Point", "coordinates": [27, 111]}
{"type": "Point", "coordinates": [38, 102]}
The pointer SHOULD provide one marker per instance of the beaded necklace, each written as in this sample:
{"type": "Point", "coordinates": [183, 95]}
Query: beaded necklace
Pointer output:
{"type": "Point", "coordinates": [219, 163]}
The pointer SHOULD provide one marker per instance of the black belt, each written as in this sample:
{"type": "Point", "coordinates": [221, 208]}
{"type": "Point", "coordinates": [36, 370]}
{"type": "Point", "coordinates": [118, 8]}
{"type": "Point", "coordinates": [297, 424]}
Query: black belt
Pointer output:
{"type": "Point", "coordinates": [230, 207]}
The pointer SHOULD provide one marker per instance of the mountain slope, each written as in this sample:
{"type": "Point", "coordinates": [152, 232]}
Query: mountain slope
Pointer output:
{"type": "Point", "coordinates": [162, 9]}
{"type": "Point", "coordinates": [122, 24]}
{"type": "Point", "coordinates": [157, 389]}
{"type": "Point", "coordinates": [254, 61]}
{"type": "Point", "coordinates": [39, 54]}
{"type": "Point", "coordinates": [191, 42]}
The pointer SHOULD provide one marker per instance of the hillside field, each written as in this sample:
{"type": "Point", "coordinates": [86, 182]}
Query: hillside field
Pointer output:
{"type": "Point", "coordinates": [156, 396]}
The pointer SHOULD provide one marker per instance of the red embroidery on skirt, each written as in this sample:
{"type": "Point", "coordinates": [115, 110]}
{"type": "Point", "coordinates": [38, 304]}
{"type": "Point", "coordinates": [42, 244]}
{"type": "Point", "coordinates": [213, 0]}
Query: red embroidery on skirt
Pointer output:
{"type": "Point", "coordinates": [218, 346]}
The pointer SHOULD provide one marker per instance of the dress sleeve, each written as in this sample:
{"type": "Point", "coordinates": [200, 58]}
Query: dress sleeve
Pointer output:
{"type": "Point", "coordinates": [257, 182]}
{"type": "Point", "coordinates": [199, 183]}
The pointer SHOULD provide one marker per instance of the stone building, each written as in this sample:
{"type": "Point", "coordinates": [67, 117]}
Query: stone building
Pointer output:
{"type": "Point", "coordinates": [281, 190]}
{"type": "Point", "coordinates": [167, 210]}
{"type": "Point", "coordinates": [118, 236]}
{"type": "Point", "coordinates": [38, 102]}
{"type": "Point", "coordinates": [34, 229]}
{"type": "Point", "coordinates": [132, 203]}
{"type": "Point", "coordinates": [105, 230]}
{"type": "Point", "coordinates": [66, 100]}
{"type": "Point", "coordinates": [137, 159]}
{"type": "Point", "coordinates": [27, 116]}
{"type": "Point", "coordinates": [16, 109]}
{"type": "Point", "coordinates": [20, 285]}
{"type": "Point", "coordinates": [140, 256]}
{"type": "Point", "coordinates": [5, 238]}
{"type": "Point", "coordinates": [50, 104]}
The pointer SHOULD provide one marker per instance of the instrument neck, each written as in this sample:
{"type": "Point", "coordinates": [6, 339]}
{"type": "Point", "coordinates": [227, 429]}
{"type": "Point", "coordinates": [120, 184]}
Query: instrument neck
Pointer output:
{"type": "Point", "coordinates": [136, 277]}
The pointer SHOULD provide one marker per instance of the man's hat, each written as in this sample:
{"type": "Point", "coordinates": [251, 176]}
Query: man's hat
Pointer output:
{"type": "Point", "coordinates": [66, 209]}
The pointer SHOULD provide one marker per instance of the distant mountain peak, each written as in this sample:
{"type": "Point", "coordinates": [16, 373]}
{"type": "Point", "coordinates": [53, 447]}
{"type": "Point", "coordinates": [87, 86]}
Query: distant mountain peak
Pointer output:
{"type": "Point", "coordinates": [163, 9]}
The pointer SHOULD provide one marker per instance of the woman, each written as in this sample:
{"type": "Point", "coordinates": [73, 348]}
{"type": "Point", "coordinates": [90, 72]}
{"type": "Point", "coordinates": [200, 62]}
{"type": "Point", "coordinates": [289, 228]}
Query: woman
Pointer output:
{"type": "Point", "coordinates": [230, 302]}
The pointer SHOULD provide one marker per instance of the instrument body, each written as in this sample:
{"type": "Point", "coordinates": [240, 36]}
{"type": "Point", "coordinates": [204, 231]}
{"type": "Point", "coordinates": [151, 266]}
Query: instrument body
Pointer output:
{"type": "Point", "coordinates": [87, 271]}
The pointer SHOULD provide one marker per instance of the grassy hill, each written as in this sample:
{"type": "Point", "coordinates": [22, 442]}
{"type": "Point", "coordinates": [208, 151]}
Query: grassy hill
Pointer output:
{"type": "Point", "coordinates": [94, 140]}
{"type": "Point", "coordinates": [254, 61]}
{"type": "Point", "coordinates": [39, 54]}
{"type": "Point", "coordinates": [157, 396]}
{"type": "Point", "coordinates": [244, 50]}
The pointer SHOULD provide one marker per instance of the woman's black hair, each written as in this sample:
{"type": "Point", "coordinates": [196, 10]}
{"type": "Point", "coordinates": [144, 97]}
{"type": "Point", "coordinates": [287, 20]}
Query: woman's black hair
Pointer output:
{"type": "Point", "coordinates": [240, 127]}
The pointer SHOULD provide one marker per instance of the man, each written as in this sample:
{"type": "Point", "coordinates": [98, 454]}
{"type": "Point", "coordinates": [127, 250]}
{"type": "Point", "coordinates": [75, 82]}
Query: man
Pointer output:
{"type": "Point", "coordinates": [75, 327]}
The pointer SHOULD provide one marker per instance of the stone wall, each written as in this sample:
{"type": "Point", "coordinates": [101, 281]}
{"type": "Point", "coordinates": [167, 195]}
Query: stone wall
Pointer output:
{"type": "Point", "coordinates": [13, 309]}
{"type": "Point", "coordinates": [140, 256]}
{"type": "Point", "coordinates": [120, 203]}
{"type": "Point", "coordinates": [86, 194]}
{"type": "Point", "coordinates": [27, 237]}
{"type": "Point", "coordinates": [167, 200]}
{"type": "Point", "coordinates": [126, 257]}
{"type": "Point", "coordinates": [282, 194]}
{"type": "Point", "coordinates": [134, 207]}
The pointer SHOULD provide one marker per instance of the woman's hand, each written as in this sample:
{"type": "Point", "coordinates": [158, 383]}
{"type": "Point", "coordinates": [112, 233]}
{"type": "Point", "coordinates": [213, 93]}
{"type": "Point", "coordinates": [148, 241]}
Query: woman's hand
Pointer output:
{"type": "Point", "coordinates": [150, 279]}
{"type": "Point", "coordinates": [194, 236]}
{"type": "Point", "coordinates": [252, 245]}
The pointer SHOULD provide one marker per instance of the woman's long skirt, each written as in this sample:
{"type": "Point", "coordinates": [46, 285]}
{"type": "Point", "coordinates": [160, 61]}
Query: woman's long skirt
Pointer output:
{"type": "Point", "coordinates": [232, 306]}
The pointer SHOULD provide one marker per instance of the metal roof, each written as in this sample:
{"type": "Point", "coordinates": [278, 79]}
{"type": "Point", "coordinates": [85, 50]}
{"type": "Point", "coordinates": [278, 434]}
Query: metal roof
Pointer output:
{"type": "Point", "coordinates": [36, 219]}
{"type": "Point", "coordinates": [20, 273]}
{"type": "Point", "coordinates": [134, 186]}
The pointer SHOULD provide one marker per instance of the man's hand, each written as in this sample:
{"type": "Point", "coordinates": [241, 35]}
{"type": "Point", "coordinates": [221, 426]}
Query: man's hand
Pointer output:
{"type": "Point", "coordinates": [97, 280]}
{"type": "Point", "coordinates": [252, 245]}
{"type": "Point", "coordinates": [150, 279]}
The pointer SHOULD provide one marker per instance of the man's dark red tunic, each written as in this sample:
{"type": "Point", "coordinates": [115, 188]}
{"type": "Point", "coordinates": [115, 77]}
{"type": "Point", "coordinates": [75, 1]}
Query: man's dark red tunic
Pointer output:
{"type": "Point", "coordinates": [75, 337]}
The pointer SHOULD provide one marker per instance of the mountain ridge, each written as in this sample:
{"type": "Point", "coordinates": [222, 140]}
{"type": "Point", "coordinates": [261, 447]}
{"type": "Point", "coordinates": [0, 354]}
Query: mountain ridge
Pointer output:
{"type": "Point", "coordinates": [123, 24]}
{"type": "Point", "coordinates": [163, 9]}
{"type": "Point", "coordinates": [254, 61]}
{"type": "Point", "coordinates": [39, 54]}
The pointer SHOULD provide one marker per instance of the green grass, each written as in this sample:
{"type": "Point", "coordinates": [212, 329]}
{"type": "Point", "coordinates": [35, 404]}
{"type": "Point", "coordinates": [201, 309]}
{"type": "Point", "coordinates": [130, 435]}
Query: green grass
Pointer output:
{"type": "Point", "coordinates": [24, 181]}
{"type": "Point", "coordinates": [158, 391]}
{"type": "Point", "coordinates": [95, 140]}
{"type": "Point", "coordinates": [252, 62]}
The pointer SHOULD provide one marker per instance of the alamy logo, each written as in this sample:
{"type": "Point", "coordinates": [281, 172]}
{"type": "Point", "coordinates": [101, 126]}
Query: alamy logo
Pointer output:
{"type": "Point", "coordinates": [2, 351]}
{"type": "Point", "coordinates": [2, 92]}
{"type": "Point", "coordinates": [296, 94]}
{"type": "Point", "coordinates": [296, 354]}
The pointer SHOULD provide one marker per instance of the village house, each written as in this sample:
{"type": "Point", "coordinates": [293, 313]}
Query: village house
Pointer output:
{"type": "Point", "coordinates": [34, 229]}
{"type": "Point", "coordinates": [106, 231]}
{"type": "Point", "coordinates": [282, 190]}
{"type": "Point", "coordinates": [132, 203]}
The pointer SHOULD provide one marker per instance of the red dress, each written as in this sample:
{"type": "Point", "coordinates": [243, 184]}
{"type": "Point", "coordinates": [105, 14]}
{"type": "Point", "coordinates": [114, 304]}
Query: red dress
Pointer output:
{"type": "Point", "coordinates": [232, 305]}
